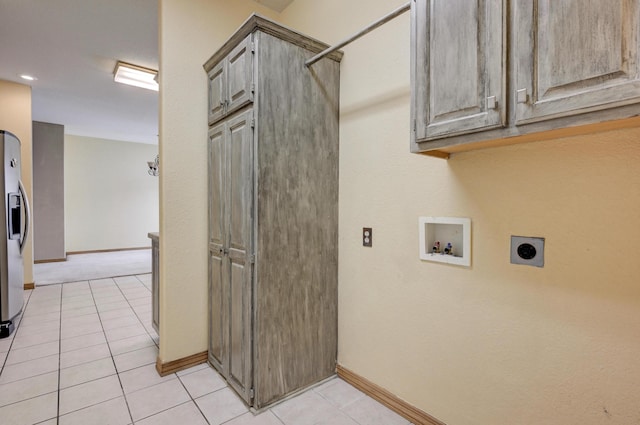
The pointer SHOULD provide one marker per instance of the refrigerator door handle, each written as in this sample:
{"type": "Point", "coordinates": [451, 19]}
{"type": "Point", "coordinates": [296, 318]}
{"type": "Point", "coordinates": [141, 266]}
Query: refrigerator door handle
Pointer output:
{"type": "Point", "coordinates": [27, 216]}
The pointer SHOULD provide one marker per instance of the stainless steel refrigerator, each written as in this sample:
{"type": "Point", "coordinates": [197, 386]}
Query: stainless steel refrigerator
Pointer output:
{"type": "Point", "coordinates": [13, 234]}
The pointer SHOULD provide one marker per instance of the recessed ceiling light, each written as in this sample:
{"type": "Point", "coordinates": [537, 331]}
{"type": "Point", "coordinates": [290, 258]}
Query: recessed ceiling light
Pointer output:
{"type": "Point", "coordinates": [28, 77]}
{"type": "Point", "coordinates": [135, 75]}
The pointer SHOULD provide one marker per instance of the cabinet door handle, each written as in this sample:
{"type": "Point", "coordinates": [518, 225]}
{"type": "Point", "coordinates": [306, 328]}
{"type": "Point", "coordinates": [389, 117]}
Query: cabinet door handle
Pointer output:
{"type": "Point", "coordinates": [522, 96]}
{"type": "Point", "coordinates": [492, 102]}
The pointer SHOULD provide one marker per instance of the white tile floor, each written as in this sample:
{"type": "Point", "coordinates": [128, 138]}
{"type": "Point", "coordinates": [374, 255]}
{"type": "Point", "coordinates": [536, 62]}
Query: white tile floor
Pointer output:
{"type": "Point", "coordinates": [84, 353]}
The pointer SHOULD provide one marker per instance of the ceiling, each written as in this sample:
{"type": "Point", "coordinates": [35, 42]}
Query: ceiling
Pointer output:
{"type": "Point", "coordinates": [277, 5]}
{"type": "Point", "coordinates": [71, 47]}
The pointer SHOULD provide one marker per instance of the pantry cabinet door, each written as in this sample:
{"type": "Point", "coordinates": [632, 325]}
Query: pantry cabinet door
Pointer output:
{"type": "Point", "coordinates": [574, 56]}
{"type": "Point", "coordinates": [218, 288]}
{"type": "Point", "coordinates": [240, 75]}
{"type": "Point", "coordinates": [240, 215]}
{"type": "Point", "coordinates": [458, 66]}
{"type": "Point", "coordinates": [217, 92]}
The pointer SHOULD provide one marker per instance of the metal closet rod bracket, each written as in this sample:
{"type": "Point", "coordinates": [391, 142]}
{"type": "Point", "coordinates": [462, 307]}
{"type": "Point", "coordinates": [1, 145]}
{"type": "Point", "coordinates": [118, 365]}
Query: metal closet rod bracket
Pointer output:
{"type": "Point", "coordinates": [399, 11]}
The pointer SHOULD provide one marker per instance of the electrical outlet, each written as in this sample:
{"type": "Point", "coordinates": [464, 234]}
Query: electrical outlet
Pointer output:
{"type": "Point", "coordinates": [527, 250]}
{"type": "Point", "coordinates": [367, 236]}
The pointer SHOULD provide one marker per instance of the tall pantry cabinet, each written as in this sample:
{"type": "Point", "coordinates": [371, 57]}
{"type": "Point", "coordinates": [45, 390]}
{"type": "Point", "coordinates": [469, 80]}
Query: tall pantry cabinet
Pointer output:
{"type": "Point", "coordinates": [273, 211]}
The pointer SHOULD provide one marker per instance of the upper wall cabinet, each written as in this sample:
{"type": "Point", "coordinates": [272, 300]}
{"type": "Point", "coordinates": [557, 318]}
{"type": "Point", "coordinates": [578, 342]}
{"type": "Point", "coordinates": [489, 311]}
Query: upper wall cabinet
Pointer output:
{"type": "Point", "coordinates": [459, 74]}
{"type": "Point", "coordinates": [492, 72]}
{"type": "Point", "coordinates": [231, 82]}
{"type": "Point", "coordinates": [574, 56]}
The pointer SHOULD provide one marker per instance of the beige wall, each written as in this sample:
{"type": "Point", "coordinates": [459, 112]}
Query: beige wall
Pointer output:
{"type": "Point", "coordinates": [15, 116]}
{"type": "Point", "coordinates": [190, 32]}
{"type": "Point", "coordinates": [111, 202]}
{"type": "Point", "coordinates": [493, 343]}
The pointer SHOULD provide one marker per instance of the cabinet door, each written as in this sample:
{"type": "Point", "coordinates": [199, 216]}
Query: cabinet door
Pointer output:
{"type": "Point", "coordinates": [239, 213]}
{"type": "Point", "coordinates": [458, 70]}
{"type": "Point", "coordinates": [217, 92]}
{"type": "Point", "coordinates": [218, 291]}
{"type": "Point", "coordinates": [240, 75]}
{"type": "Point", "coordinates": [230, 250]}
{"type": "Point", "coordinates": [575, 56]}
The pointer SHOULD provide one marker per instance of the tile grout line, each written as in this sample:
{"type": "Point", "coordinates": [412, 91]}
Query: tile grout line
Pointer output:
{"type": "Point", "coordinates": [97, 313]}
{"type": "Point", "coordinates": [193, 400]}
{"type": "Point", "coordinates": [341, 409]}
{"type": "Point", "coordinates": [134, 310]}
{"type": "Point", "coordinates": [59, 357]}
{"type": "Point", "coordinates": [167, 409]}
{"type": "Point", "coordinates": [145, 329]}
{"type": "Point", "coordinates": [15, 332]}
{"type": "Point", "coordinates": [212, 392]}
{"type": "Point", "coordinates": [58, 369]}
{"type": "Point", "coordinates": [62, 298]}
{"type": "Point", "coordinates": [88, 280]}
{"type": "Point", "coordinates": [157, 344]}
{"type": "Point", "coordinates": [38, 318]}
{"type": "Point", "coordinates": [19, 328]}
{"type": "Point", "coordinates": [124, 396]}
{"type": "Point", "coordinates": [4, 362]}
{"type": "Point", "coordinates": [277, 417]}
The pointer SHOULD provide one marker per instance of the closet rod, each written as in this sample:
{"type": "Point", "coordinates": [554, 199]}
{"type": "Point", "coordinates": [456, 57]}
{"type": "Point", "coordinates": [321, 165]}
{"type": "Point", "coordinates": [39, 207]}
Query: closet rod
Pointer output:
{"type": "Point", "coordinates": [399, 11]}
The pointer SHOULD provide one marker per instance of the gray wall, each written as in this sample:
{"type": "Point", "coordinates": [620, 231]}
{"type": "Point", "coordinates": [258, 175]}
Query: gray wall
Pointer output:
{"type": "Point", "coordinates": [48, 192]}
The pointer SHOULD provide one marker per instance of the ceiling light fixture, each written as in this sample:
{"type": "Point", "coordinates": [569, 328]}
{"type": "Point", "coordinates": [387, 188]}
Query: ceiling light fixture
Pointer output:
{"type": "Point", "coordinates": [28, 77]}
{"type": "Point", "coordinates": [134, 75]}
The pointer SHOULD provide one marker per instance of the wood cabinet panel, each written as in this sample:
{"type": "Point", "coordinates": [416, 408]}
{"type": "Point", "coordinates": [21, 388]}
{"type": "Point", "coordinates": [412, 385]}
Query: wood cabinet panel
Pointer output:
{"type": "Point", "coordinates": [218, 293]}
{"type": "Point", "coordinates": [459, 66]}
{"type": "Point", "coordinates": [217, 171]}
{"type": "Point", "coordinates": [239, 375]}
{"type": "Point", "coordinates": [231, 81]}
{"type": "Point", "coordinates": [565, 64]}
{"type": "Point", "coordinates": [574, 56]}
{"type": "Point", "coordinates": [240, 75]}
{"type": "Point", "coordinates": [295, 331]}
{"type": "Point", "coordinates": [239, 217]}
{"type": "Point", "coordinates": [230, 242]}
{"type": "Point", "coordinates": [217, 352]}
{"type": "Point", "coordinates": [240, 181]}
{"type": "Point", "coordinates": [217, 93]}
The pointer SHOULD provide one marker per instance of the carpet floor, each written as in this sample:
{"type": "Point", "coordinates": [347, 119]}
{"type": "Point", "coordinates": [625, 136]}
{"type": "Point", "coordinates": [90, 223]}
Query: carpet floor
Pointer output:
{"type": "Point", "coordinates": [82, 267]}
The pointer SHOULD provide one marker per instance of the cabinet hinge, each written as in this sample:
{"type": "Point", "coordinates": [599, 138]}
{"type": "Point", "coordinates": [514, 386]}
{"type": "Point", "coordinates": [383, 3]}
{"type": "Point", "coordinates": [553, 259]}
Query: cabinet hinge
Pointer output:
{"type": "Point", "coordinates": [253, 47]}
{"type": "Point", "coordinates": [252, 258]}
{"type": "Point", "coordinates": [251, 394]}
{"type": "Point", "coordinates": [253, 123]}
{"type": "Point", "coordinates": [414, 126]}
{"type": "Point", "coordinates": [253, 87]}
